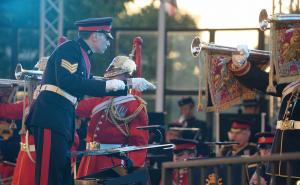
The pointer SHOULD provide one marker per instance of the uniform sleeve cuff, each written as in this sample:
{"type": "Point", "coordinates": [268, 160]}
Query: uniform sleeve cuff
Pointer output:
{"type": "Point", "coordinates": [240, 71]}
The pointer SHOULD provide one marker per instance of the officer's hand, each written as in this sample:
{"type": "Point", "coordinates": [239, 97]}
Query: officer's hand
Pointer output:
{"type": "Point", "coordinates": [141, 84]}
{"type": "Point", "coordinates": [239, 57]}
{"type": "Point", "coordinates": [114, 85]}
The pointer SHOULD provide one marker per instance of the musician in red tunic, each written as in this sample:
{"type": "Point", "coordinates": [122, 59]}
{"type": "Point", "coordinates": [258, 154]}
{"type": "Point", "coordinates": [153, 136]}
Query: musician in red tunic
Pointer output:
{"type": "Point", "coordinates": [113, 122]}
{"type": "Point", "coordinates": [21, 172]}
{"type": "Point", "coordinates": [184, 149]}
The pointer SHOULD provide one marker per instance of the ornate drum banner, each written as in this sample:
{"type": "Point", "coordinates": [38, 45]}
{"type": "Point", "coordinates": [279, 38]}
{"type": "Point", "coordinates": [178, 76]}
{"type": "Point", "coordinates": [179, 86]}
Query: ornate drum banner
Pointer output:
{"type": "Point", "coordinates": [224, 89]}
{"type": "Point", "coordinates": [285, 47]}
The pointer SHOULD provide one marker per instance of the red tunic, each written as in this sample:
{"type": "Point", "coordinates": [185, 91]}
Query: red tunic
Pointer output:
{"type": "Point", "coordinates": [102, 130]}
{"type": "Point", "coordinates": [24, 170]}
{"type": "Point", "coordinates": [179, 177]}
{"type": "Point", "coordinates": [6, 172]}
{"type": "Point", "coordinates": [25, 167]}
{"type": "Point", "coordinates": [12, 111]}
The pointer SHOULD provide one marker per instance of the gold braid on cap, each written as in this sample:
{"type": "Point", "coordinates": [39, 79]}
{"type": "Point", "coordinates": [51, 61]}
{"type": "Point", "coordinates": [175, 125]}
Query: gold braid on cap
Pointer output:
{"type": "Point", "coordinates": [117, 119]}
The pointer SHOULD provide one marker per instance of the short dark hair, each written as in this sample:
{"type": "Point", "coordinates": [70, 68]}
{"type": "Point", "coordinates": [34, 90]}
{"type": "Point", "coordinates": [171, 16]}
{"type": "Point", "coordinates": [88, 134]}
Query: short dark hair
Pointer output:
{"type": "Point", "coordinates": [84, 34]}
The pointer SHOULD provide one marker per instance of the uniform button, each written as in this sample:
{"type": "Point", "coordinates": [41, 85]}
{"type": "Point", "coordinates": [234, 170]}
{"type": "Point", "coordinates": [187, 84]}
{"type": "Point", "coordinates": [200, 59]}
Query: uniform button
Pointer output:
{"type": "Point", "coordinates": [95, 135]}
{"type": "Point", "coordinates": [291, 105]}
{"type": "Point", "coordinates": [97, 128]}
{"type": "Point", "coordinates": [102, 116]}
{"type": "Point", "coordinates": [288, 112]}
{"type": "Point", "coordinates": [100, 122]}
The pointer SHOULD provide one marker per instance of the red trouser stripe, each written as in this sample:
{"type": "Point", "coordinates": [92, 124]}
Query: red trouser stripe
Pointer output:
{"type": "Point", "coordinates": [45, 157]}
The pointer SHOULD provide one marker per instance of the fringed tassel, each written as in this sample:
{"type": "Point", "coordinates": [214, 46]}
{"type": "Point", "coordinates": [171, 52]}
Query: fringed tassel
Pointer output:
{"type": "Point", "coordinates": [200, 104]}
{"type": "Point", "coordinates": [271, 88]}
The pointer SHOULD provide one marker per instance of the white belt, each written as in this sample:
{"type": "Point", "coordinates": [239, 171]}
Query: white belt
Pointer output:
{"type": "Point", "coordinates": [288, 125]}
{"type": "Point", "coordinates": [31, 148]}
{"type": "Point", "coordinates": [57, 90]}
{"type": "Point", "coordinates": [97, 146]}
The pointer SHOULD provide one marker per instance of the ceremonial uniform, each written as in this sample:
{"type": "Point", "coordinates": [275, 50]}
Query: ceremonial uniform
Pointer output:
{"type": "Point", "coordinates": [22, 174]}
{"type": "Point", "coordinates": [183, 150]}
{"type": "Point", "coordinates": [13, 111]}
{"type": "Point", "coordinates": [264, 144]}
{"type": "Point", "coordinates": [188, 120]}
{"type": "Point", "coordinates": [6, 171]}
{"type": "Point", "coordinates": [52, 116]}
{"type": "Point", "coordinates": [248, 149]}
{"type": "Point", "coordinates": [240, 133]}
{"type": "Point", "coordinates": [287, 133]}
{"type": "Point", "coordinates": [113, 124]}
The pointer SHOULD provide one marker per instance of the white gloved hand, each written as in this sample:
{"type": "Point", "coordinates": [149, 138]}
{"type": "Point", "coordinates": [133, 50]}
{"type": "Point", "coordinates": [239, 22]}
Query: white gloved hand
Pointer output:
{"type": "Point", "coordinates": [114, 85]}
{"type": "Point", "coordinates": [141, 84]}
{"type": "Point", "coordinates": [239, 58]}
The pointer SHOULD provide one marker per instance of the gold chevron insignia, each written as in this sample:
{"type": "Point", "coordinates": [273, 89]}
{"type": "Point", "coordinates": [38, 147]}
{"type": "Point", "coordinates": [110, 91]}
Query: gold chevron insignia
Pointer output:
{"type": "Point", "coordinates": [72, 68]}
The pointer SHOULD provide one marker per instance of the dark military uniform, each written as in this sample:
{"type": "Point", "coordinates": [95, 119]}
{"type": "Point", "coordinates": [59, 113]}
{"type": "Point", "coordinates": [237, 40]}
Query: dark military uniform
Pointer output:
{"type": "Point", "coordinates": [192, 122]}
{"type": "Point", "coordinates": [52, 116]}
{"type": "Point", "coordinates": [287, 133]}
{"type": "Point", "coordinates": [247, 150]}
{"type": "Point", "coordinates": [264, 143]}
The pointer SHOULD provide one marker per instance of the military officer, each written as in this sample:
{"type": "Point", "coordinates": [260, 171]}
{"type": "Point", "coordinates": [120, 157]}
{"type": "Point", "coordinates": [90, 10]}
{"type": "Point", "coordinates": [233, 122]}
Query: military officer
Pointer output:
{"type": "Point", "coordinates": [264, 144]}
{"type": "Point", "coordinates": [287, 132]}
{"type": "Point", "coordinates": [66, 79]}
{"type": "Point", "coordinates": [113, 122]}
{"type": "Point", "coordinates": [240, 133]}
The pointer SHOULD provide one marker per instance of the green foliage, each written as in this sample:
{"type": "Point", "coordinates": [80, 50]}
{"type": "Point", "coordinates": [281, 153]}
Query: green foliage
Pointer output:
{"type": "Point", "coordinates": [81, 9]}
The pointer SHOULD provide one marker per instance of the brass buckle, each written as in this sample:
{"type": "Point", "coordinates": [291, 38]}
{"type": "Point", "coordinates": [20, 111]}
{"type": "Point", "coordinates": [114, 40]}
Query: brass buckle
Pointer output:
{"type": "Point", "coordinates": [94, 145]}
{"type": "Point", "coordinates": [23, 146]}
{"type": "Point", "coordinates": [287, 125]}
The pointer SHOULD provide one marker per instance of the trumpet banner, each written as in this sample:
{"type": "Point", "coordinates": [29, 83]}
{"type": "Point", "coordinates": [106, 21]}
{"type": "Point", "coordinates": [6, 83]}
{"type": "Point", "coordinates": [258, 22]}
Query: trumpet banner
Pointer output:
{"type": "Point", "coordinates": [223, 89]}
{"type": "Point", "coordinates": [286, 51]}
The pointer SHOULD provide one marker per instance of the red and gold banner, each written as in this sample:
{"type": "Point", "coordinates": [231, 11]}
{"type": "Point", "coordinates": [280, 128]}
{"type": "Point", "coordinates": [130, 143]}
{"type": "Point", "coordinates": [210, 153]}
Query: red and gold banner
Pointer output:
{"type": "Point", "coordinates": [286, 50]}
{"type": "Point", "coordinates": [222, 87]}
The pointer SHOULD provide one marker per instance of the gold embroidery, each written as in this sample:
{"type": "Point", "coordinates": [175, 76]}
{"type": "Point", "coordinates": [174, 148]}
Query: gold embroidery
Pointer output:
{"type": "Point", "coordinates": [72, 68]}
{"type": "Point", "coordinates": [212, 179]}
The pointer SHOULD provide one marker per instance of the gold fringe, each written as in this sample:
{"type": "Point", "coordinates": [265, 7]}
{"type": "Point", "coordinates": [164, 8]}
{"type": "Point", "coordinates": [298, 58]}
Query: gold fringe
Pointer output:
{"type": "Point", "coordinates": [271, 88]}
{"type": "Point", "coordinates": [200, 98]}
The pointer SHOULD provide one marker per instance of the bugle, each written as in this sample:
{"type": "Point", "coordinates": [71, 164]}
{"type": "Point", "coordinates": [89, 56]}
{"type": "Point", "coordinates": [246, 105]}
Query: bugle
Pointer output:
{"type": "Point", "coordinates": [21, 73]}
{"type": "Point", "coordinates": [255, 55]}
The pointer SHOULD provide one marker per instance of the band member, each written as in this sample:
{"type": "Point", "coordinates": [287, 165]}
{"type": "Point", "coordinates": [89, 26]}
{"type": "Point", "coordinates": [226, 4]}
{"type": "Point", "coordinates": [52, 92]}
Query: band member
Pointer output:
{"type": "Point", "coordinates": [187, 119]}
{"type": "Point", "coordinates": [10, 149]}
{"type": "Point", "coordinates": [184, 149]}
{"type": "Point", "coordinates": [113, 122]}
{"type": "Point", "coordinates": [287, 132]}
{"type": "Point", "coordinates": [264, 144]}
{"type": "Point", "coordinates": [65, 81]}
{"type": "Point", "coordinates": [239, 132]}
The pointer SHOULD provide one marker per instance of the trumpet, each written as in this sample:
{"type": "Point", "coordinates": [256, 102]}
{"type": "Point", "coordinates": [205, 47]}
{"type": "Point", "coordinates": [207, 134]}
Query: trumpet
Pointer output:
{"type": "Point", "coordinates": [264, 19]}
{"type": "Point", "coordinates": [21, 73]}
{"type": "Point", "coordinates": [197, 46]}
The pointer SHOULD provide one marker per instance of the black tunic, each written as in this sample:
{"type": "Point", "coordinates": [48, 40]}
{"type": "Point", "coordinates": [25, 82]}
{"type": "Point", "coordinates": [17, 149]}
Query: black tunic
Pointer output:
{"type": "Point", "coordinates": [66, 69]}
{"type": "Point", "coordinates": [284, 140]}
